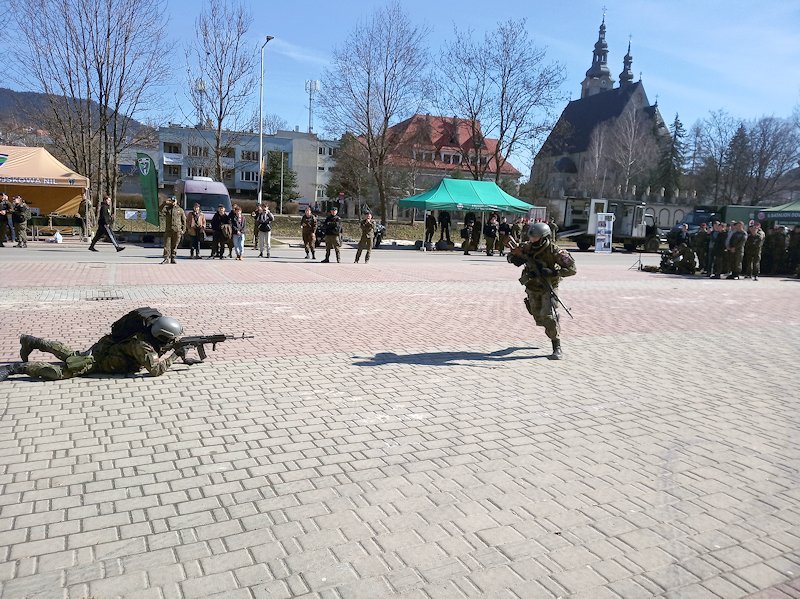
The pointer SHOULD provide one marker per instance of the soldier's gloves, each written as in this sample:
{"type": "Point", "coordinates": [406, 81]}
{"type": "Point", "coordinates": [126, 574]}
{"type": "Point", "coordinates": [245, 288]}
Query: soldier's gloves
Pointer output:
{"type": "Point", "coordinates": [192, 361]}
{"type": "Point", "coordinates": [546, 272]}
{"type": "Point", "coordinates": [180, 351]}
{"type": "Point", "coordinates": [515, 259]}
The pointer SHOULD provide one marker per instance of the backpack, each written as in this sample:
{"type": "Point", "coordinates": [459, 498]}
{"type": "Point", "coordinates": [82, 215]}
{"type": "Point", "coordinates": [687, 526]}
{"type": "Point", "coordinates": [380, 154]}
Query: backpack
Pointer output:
{"type": "Point", "coordinates": [135, 321]}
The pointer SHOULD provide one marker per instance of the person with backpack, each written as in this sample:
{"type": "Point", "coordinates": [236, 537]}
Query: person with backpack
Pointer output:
{"type": "Point", "coordinates": [139, 340]}
{"type": "Point", "coordinates": [20, 218]}
{"type": "Point", "coordinates": [263, 223]}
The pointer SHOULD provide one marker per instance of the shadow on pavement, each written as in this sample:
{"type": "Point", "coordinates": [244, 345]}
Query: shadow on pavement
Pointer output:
{"type": "Point", "coordinates": [453, 358]}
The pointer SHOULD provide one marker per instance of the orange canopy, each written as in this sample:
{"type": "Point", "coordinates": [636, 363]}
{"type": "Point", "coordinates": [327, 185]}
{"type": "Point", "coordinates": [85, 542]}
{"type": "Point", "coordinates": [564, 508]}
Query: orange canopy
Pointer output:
{"type": "Point", "coordinates": [44, 183]}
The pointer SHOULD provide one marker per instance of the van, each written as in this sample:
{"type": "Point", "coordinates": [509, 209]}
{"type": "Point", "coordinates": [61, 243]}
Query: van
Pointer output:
{"type": "Point", "coordinates": [206, 192]}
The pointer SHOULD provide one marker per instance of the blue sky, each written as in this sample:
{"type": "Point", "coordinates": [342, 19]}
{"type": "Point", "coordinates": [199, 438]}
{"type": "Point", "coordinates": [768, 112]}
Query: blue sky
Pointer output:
{"type": "Point", "coordinates": [695, 56]}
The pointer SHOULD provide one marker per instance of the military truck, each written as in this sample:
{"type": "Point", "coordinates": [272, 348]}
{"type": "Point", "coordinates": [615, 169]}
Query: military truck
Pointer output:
{"type": "Point", "coordinates": [633, 227]}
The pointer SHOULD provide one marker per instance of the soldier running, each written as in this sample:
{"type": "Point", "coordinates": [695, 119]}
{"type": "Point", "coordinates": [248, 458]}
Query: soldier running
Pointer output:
{"type": "Point", "coordinates": [545, 265]}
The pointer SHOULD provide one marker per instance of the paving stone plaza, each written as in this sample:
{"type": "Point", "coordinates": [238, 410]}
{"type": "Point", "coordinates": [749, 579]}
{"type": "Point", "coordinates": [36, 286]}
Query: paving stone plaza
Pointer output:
{"type": "Point", "coordinates": [395, 430]}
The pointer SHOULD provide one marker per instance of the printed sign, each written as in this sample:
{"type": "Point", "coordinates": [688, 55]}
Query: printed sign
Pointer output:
{"type": "Point", "coordinates": [605, 230]}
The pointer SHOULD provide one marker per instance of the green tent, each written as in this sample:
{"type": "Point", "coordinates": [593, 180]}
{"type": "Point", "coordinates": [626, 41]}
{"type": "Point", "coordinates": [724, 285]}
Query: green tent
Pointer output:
{"type": "Point", "coordinates": [467, 195]}
{"type": "Point", "coordinates": [786, 213]}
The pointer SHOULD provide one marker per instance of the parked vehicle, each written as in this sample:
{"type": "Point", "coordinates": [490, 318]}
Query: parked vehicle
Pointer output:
{"type": "Point", "coordinates": [205, 191]}
{"type": "Point", "coordinates": [633, 227]}
{"type": "Point", "coordinates": [725, 214]}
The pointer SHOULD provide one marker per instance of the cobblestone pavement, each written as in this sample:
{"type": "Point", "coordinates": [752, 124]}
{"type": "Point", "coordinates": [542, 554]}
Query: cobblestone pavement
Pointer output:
{"type": "Point", "coordinates": [394, 431]}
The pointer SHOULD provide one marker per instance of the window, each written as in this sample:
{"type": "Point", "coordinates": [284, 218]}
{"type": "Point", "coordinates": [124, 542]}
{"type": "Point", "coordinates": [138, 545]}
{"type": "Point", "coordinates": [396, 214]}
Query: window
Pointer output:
{"type": "Point", "coordinates": [320, 192]}
{"type": "Point", "coordinates": [250, 155]}
{"type": "Point", "coordinates": [330, 151]}
{"type": "Point", "coordinates": [229, 153]}
{"type": "Point", "coordinates": [172, 148]}
{"type": "Point", "coordinates": [446, 158]}
{"type": "Point", "coordinates": [321, 150]}
{"type": "Point", "coordinates": [248, 176]}
{"type": "Point", "coordinates": [198, 151]}
{"type": "Point", "coordinates": [197, 171]}
{"type": "Point", "coordinates": [172, 171]}
{"type": "Point", "coordinates": [227, 175]}
{"type": "Point", "coordinates": [334, 151]}
{"type": "Point", "coordinates": [320, 168]}
{"type": "Point", "coordinates": [457, 159]}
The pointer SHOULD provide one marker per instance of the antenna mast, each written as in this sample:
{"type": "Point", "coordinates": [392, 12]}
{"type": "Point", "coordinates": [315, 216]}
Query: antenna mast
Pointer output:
{"type": "Point", "coordinates": [312, 87]}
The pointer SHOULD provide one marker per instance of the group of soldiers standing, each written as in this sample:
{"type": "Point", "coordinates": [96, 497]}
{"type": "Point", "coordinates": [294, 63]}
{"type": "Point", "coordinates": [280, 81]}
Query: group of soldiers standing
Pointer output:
{"type": "Point", "coordinates": [734, 250]}
{"type": "Point", "coordinates": [497, 231]}
{"type": "Point", "coordinates": [14, 217]}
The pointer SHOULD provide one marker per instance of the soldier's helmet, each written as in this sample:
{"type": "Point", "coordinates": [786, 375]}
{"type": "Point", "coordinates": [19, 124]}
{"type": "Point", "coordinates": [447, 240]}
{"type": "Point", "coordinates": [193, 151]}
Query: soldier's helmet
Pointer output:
{"type": "Point", "coordinates": [540, 230]}
{"type": "Point", "coordinates": [166, 329]}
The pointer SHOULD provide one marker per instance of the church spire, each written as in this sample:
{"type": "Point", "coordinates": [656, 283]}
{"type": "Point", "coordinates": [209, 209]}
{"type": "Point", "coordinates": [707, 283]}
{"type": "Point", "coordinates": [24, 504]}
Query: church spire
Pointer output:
{"type": "Point", "coordinates": [598, 77]}
{"type": "Point", "coordinates": [626, 76]}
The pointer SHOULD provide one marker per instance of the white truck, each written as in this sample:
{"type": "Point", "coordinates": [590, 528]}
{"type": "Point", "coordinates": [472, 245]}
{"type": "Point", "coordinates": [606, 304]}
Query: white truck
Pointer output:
{"type": "Point", "coordinates": [633, 227]}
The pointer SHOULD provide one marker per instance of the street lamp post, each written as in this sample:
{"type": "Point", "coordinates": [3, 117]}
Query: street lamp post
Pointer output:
{"type": "Point", "coordinates": [261, 122]}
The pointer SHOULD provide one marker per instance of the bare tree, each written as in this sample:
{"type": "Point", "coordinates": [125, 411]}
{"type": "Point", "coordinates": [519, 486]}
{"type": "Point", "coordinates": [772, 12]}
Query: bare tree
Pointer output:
{"type": "Point", "coordinates": [98, 63]}
{"type": "Point", "coordinates": [504, 87]}
{"type": "Point", "coordinates": [594, 171]}
{"type": "Point", "coordinates": [271, 124]}
{"type": "Point", "coordinates": [774, 150]}
{"type": "Point", "coordinates": [718, 130]}
{"type": "Point", "coordinates": [376, 79]}
{"type": "Point", "coordinates": [633, 149]}
{"type": "Point", "coordinates": [221, 74]}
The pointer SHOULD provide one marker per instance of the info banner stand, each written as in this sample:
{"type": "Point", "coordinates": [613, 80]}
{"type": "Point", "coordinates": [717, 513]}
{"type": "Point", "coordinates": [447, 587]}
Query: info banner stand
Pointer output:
{"type": "Point", "coordinates": [604, 231]}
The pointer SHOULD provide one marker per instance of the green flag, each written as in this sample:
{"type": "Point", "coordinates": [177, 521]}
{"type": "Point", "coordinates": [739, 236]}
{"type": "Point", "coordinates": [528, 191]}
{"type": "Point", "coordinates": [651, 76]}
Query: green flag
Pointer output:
{"type": "Point", "coordinates": [148, 179]}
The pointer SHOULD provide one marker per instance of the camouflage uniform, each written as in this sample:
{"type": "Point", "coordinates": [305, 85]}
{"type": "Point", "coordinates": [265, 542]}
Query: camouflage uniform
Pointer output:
{"type": "Point", "coordinates": [333, 230]}
{"type": "Point", "coordinates": [104, 357]}
{"type": "Point", "coordinates": [539, 301]}
{"type": "Point", "coordinates": [686, 264]}
{"type": "Point", "coordinates": [367, 236]}
{"type": "Point", "coordinates": [174, 226]}
{"type": "Point", "coordinates": [5, 209]}
{"type": "Point", "coordinates": [752, 253]}
{"type": "Point", "coordinates": [20, 219]}
{"type": "Point", "coordinates": [736, 251]}
{"type": "Point", "coordinates": [308, 224]}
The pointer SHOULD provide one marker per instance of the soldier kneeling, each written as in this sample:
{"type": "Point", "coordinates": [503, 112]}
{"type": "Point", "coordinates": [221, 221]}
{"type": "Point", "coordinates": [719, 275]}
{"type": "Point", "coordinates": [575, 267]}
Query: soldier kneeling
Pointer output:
{"type": "Point", "coordinates": [137, 341]}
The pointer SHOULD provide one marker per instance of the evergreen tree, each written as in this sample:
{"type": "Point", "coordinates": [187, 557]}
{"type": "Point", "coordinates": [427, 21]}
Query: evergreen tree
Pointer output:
{"type": "Point", "coordinates": [738, 166]}
{"type": "Point", "coordinates": [669, 173]}
{"type": "Point", "coordinates": [271, 187]}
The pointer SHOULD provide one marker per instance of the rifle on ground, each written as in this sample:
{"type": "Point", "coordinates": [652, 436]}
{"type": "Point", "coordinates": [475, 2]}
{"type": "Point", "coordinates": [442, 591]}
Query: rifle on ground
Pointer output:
{"type": "Point", "coordinates": [517, 260]}
{"type": "Point", "coordinates": [199, 342]}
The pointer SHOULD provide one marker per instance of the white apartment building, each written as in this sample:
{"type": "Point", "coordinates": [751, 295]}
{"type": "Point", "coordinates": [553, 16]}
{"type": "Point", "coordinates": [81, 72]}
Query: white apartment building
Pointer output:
{"type": "Point", "coordinates": [188, 151]}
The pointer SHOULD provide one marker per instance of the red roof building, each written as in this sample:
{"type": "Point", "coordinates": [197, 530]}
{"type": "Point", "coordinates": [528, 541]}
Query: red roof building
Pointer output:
{"type": "Point", "coordinates": [438, 146]}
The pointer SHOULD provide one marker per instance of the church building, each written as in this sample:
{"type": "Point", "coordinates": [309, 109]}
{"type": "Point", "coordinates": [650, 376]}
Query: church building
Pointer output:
{"type": "Point", "coordinates": [589, 151]}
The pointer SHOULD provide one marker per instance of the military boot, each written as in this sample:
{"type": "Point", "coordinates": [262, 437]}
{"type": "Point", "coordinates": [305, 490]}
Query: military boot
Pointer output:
{"type": "Point", "coordinates": [28, 343]}
{"type": "Point", "coordinates": [11, 369]}
{"type": "Point", "coordinates": [556, 355]}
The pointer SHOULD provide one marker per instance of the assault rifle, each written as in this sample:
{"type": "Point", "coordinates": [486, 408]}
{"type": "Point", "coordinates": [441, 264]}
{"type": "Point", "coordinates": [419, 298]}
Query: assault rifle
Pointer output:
{"type": "Point", "coordinates": [199, 342]}
{"type": "Point", "coordinates": [517, 260]}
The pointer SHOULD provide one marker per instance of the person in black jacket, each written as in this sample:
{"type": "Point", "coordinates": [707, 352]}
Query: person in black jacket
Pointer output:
{"type": "Point", "coordinates": [444, 225]}
{"type": "Point", "coordinates": [490, 233]}
{"type": "Point", "coordinates": [104, 224]}
{"type": "Point", "coordinates": [333, 229]}
{"type": "Point", "coordinates": [504, 230]}
{"type": "Point", "coordinates": [223, 233]}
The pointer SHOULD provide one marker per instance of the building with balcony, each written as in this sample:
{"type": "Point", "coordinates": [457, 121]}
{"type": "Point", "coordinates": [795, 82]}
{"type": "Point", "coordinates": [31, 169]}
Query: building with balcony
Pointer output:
{"type": "Point", "coordinates": [189, 151]}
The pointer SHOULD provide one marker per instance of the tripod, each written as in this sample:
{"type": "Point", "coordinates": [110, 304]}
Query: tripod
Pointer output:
{"type": "Point", "coordinates": [638, 264]}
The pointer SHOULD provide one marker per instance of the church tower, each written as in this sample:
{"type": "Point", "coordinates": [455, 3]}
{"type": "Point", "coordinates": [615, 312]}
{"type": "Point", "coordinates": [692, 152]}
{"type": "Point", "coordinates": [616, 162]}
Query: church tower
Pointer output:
{"type": "Point", "coordinates": [626, 76]}
{"type": "Point", "coordinates": [598, 77]}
